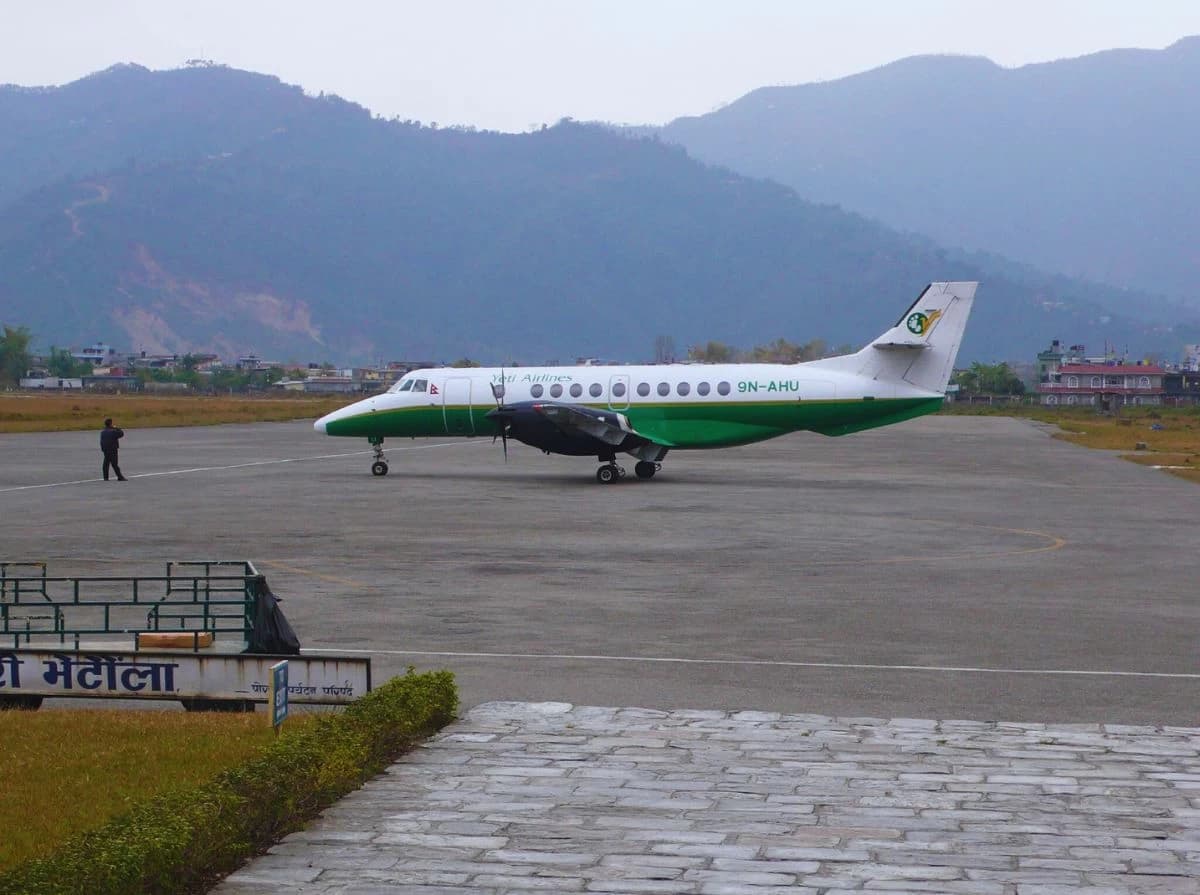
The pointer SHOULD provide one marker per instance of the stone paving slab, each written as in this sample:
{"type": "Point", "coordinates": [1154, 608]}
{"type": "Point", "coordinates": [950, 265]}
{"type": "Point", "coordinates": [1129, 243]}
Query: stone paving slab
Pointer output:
{"type": "Point", "coordinates": [550, 797]}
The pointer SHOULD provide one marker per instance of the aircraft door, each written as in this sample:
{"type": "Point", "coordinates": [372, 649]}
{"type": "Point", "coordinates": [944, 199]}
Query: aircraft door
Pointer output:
{"type": "Point", "coordinates": [456, 406]}
{"type": "Point", "coordinates": [618, 392]}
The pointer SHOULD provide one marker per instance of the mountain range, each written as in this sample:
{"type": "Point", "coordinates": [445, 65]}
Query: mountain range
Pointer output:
{"type": "Point", "coordinates": [207, 208]}
{"type": "Point", "coordinates": [1088, 167]}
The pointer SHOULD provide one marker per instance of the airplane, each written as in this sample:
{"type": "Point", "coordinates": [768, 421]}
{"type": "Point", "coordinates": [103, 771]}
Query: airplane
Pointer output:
{"type": "Point", "coordinates": [646, 411]}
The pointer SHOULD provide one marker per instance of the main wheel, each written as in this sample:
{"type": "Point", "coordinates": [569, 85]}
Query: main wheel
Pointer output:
{"type": "Point", "coordinates": [379, 468]}
{"type": "Point", "coordinates": [644, 469]}
{"type": "Point", "coordinates": [606, 475]}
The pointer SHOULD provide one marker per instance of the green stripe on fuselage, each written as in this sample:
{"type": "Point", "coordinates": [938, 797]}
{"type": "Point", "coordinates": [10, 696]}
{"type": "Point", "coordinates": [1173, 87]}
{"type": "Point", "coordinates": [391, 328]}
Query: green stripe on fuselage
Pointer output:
{"type": "Point", "coordinates": [682, 425]}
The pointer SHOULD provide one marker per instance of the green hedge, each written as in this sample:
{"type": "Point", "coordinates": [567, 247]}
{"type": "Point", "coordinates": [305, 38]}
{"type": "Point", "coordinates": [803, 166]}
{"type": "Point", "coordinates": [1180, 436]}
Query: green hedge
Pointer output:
{"type": "Point", "coordinates": [182, 841]}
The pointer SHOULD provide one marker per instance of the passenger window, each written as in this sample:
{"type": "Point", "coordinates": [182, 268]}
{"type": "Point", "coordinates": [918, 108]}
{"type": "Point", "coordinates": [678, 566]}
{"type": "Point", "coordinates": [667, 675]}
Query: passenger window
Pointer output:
{"type": "Point", "coordinates": [419, 385]}
{"type": "Point", "coordinates": [576, 390]}
{"type": "Point", "coordinates": [702, 388]}
{"type": "Point", "coordinates": [643, 388]}
{"type": "Point", "coordinates": [664, 388]}
{"type": "Point", "coordinates": [595, 390]}
{"type": "Point", "coordinates": [556, 391]}
{"type": "Point", "coordinates": [683, 388]}
{"type": "Point", "coordinates": [618, 389]}
{"type": "Point", "coordinates": [722, 388]}
{"type": "Point", "coordinates": [536, 390]}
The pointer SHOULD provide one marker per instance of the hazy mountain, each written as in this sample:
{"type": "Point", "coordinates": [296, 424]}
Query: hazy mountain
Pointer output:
{"type": "Point", "coordinates": [1085, 166]}
{"type": "Point", "coordinates": [208, 208]}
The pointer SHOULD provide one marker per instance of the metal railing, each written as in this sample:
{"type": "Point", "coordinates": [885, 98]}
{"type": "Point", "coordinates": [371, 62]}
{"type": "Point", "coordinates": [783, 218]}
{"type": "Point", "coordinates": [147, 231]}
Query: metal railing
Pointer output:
{"type": "Point", "coordinates": [214, 596]}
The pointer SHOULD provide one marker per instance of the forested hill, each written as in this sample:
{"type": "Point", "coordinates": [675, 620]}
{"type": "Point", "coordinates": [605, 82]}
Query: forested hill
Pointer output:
{"type": "Point", "coordinates": [1086, 166]}
{"type": "Point", "coordinates": [208, 208]}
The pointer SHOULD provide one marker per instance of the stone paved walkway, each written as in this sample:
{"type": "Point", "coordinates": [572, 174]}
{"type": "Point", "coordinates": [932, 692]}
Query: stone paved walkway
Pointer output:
{"type": "Point", "coordinates": [550, 797]}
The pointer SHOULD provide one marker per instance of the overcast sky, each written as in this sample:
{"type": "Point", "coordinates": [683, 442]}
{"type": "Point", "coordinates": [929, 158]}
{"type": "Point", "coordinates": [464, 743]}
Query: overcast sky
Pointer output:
{"type": "Point", "coordinates": [512, 65]}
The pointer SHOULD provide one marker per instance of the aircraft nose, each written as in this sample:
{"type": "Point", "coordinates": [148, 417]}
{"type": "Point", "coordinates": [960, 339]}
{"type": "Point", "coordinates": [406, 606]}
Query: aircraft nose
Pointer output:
{"type": "Point", "coordinates": [319, 425]}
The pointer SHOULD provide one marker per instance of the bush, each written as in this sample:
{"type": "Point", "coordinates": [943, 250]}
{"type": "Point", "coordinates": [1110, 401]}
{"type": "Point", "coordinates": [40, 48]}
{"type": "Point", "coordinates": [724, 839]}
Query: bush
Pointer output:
{"type": "Point", "coordinates": [180, 842]}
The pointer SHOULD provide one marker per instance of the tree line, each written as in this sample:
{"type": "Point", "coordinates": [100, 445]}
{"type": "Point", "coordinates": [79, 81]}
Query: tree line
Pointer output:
{"type": "Point", "coordinates": [989, 379]}
{"type": "Point", "coordinates": [16, 358]}
{"type": "Point", "coordinates": [780, 351]}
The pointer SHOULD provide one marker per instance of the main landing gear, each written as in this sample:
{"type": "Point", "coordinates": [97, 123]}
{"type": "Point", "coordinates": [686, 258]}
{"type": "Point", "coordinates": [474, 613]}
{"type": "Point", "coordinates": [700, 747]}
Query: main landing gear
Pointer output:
{"type": "Point", "coordinates": [610, 472]}
{"type": "Point", "coordinates": [379, 467]}
{"type": "Point", "coordinates": [644, 469]}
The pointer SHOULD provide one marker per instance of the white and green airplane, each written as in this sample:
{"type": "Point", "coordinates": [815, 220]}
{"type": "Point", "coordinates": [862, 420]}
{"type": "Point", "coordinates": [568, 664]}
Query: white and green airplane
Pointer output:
{"type": "Point", "coordinates": [646, 411]}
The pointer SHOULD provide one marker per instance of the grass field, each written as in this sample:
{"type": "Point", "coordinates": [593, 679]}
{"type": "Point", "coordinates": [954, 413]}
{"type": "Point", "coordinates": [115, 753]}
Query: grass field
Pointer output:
{"type": "Point", "coordinates": [59, 413]}
{"type": "Point", "coordinates": [1171, 435]}
{"type": "Point", "coordinates": [70, 770]}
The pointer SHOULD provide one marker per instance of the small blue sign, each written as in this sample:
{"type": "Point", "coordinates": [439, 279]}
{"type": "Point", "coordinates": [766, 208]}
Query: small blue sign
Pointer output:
{"type": "Point", "coordinates": [279, 693]}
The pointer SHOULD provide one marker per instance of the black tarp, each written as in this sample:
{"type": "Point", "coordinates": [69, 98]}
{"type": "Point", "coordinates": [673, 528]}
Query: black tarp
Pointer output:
{"type": "Point", "coordinates": [271, 635]}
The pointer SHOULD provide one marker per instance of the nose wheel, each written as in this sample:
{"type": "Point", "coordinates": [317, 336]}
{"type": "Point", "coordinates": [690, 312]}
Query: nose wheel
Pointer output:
{"type": "Point", "coordinates": [379, 467]}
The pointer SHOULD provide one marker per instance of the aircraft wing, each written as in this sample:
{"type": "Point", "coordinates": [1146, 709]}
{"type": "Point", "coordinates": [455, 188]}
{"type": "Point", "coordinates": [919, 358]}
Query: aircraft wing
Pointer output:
{"type": "Point", "coordinates": [607, 426]}
{"type": "Point", "coordinates": [573, 429]}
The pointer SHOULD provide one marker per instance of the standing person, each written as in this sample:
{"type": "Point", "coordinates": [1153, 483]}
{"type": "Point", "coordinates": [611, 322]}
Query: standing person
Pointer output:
{"type": "Point", "coordinates": [110, 442]}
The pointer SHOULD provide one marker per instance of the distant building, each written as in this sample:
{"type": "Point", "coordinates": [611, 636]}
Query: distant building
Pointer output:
{"type": "Point", "coordinates": [1191, 357]}
{"type": "Point", "coordinates": [56, 383]}
{"type": "Point", "coordinates": [165, 388]}
{"type": "Point", "coordinates": [110, 383]}
{"type": "Point", "coordinates": [98, 355]}
{"type": "Point", "coordinates": [252, 363]}
{"type": "Point", "coordinates": [398, 368]}
{"type": "Point", "coordinates": [1182, 387]}
{"type": "Point", "coordinates": [1102, 384]}
{"type": "Point", "coordinates": [154, 361]}
{"type": "Point", "coordinates": [330, 385]}
{"type": "Point", "coordinates": [206, 363]}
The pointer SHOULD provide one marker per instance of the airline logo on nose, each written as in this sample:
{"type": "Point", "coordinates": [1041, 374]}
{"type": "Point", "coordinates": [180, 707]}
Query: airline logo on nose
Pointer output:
{"type": "Point", "coordinates": [920, 324]}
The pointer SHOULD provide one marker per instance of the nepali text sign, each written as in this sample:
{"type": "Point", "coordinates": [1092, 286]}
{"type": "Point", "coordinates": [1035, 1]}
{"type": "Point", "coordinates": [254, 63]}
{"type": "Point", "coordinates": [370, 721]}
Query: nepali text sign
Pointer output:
{"type": "Point", "coordinates": [179, 675]}
{"type": "Point", "coordinates": [279, 692]}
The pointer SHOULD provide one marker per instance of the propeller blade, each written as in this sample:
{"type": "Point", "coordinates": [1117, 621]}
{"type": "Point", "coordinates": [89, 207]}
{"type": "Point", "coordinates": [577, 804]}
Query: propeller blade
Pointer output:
{"type": "Point", "coordinates": [503, 418]}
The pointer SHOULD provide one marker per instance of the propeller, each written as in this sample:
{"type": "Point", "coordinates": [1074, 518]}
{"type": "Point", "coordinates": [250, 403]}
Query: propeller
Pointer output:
{"type": "Point", "coordinates": [500, 415]}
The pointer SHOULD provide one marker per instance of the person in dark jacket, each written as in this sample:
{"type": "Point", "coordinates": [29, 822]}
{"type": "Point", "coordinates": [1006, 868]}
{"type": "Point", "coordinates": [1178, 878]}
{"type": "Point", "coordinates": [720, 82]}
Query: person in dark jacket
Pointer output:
{"type": "Point", "coordinates": [110, 442]}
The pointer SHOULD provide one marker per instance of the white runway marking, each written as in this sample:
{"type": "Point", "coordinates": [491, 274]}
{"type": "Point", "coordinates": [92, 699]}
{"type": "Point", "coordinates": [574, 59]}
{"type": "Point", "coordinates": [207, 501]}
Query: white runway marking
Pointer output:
{"type": "Point", "coordinates": [844, 666]}
{"type": "Point", "coordinates": [192, 469]}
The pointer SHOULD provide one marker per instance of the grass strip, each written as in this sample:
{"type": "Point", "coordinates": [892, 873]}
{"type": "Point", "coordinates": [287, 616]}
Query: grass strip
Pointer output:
{"type": "Point", "coordinates": [68, 770]}
{"type": "Point", "coordinates": [1170, 435]}
{"type": "Point", "coordinates": [183, 840]}
{"type": "Point", "coordinates": [63, 413]}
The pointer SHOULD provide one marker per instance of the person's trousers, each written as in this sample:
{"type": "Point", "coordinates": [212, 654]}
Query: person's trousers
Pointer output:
{"type": "Point", "coordinates": [110, 459]}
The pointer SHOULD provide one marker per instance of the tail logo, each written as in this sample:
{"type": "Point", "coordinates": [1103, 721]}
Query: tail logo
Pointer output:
{"type": "Point", "coordinates": [921, 324]}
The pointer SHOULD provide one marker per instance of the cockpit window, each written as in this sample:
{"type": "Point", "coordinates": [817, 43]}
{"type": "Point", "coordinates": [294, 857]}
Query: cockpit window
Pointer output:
{"type": "Point", "coordinates": [419, 385]}
{"type": "Point", "coordinates": [406, 385]}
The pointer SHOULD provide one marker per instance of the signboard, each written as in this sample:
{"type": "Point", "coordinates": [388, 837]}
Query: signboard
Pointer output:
{"type": "Point", "coordinates": [329, 680]}
{"type": "Point", "coordinates": [279, 693]}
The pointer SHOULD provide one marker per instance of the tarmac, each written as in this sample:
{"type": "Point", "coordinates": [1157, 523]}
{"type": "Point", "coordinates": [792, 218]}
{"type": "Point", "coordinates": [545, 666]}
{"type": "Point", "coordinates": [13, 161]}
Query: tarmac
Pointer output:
{"type": "Point", "coordinates": [972, 572]}
{"type": "Point", "coordinates": [949, 567]}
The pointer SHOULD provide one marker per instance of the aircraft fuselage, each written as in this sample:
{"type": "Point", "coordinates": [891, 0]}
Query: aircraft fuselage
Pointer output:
{"type": "Point", "coordinates": [678, 405]}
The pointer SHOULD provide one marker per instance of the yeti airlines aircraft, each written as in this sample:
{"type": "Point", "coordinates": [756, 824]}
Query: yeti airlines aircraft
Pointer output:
{"type": "Point", "coordinates": [646, 411]}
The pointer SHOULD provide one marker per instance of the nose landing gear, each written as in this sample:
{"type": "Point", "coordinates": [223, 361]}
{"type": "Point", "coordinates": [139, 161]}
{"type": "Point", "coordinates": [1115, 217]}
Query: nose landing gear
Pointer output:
{"type": "Point", "coordinates": [379, 467]}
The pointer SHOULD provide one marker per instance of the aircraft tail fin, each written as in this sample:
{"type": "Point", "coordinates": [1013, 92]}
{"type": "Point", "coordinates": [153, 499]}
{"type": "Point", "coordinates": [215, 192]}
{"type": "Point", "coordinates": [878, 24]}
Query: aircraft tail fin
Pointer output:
{"type": "Point", "coordinates": [920, 349]}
